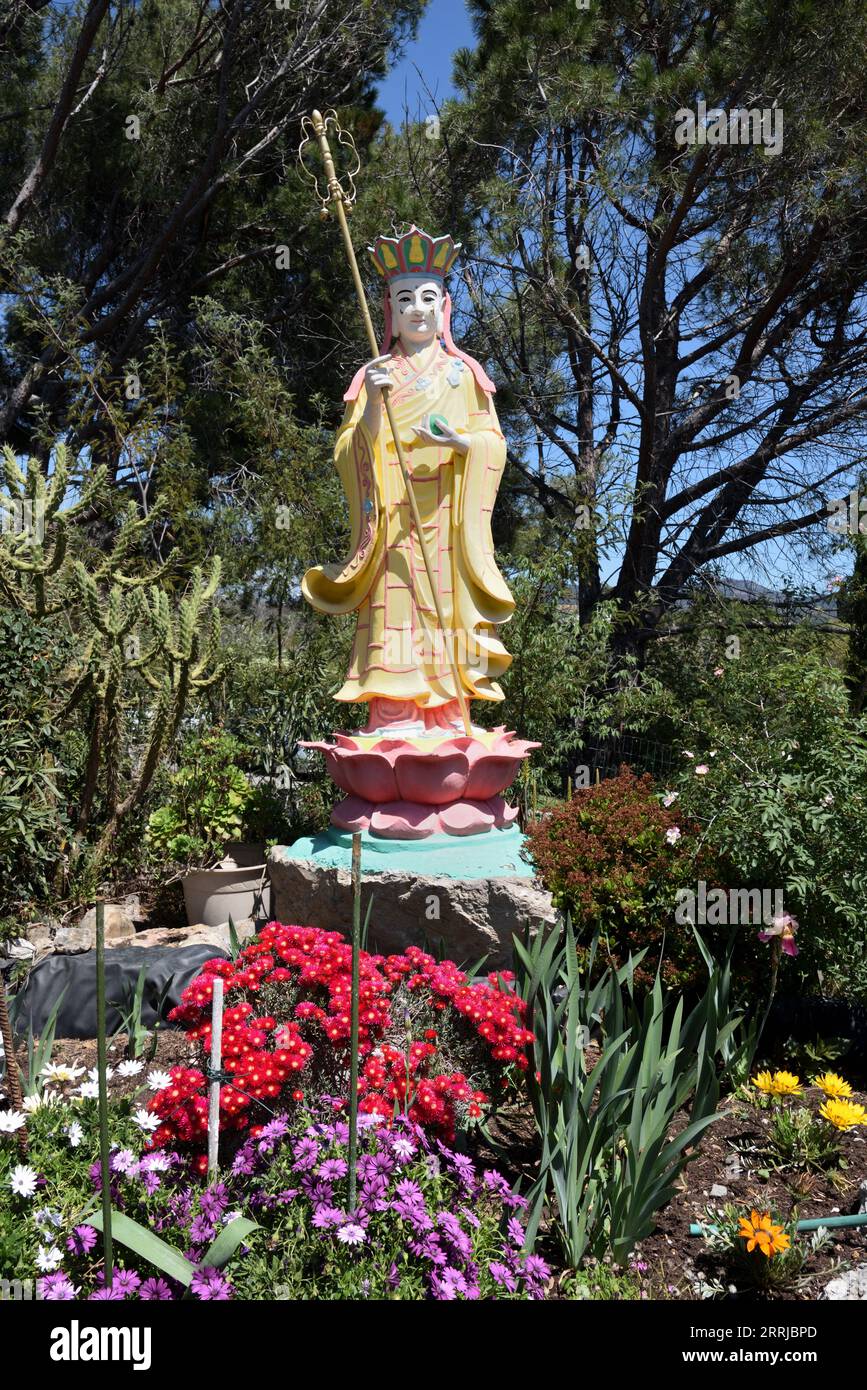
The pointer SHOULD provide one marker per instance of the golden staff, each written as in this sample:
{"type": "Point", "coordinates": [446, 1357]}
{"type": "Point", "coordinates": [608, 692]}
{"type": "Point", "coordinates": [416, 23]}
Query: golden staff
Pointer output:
{"type": "Point", "coordinates": [342, 200]}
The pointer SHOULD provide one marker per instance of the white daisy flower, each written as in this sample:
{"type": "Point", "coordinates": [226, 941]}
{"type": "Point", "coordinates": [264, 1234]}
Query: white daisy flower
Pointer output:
{"type": "Point", "coordinates": [36, 1102]}
{"type": "Point", "coordinates": [145, 1120]}
{"type": "Point", "coordinates": [93, 1074]}
{"type": "Point", "coordinates": [130, 1068]}
{"type": "Point", "coordinates": [74, 1134]}
{"type": "Point", "coordinates": [158, 1080]}
{"type": "Point", "coordinates": [10, 1120]}
{"type": "Point", "coordinates": [48, 1259]}
{"type": "Point", "coordinates": [88, 1090]}
{"type": "Point", "coordinates": [23, 1180]}
{"type": "Point", "coordinates": [61, 1071]}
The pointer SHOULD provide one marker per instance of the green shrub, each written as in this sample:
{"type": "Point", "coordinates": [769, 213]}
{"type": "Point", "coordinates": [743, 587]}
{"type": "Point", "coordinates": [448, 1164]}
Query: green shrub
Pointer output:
{"type": "Point", "coordinates": [784, 801]}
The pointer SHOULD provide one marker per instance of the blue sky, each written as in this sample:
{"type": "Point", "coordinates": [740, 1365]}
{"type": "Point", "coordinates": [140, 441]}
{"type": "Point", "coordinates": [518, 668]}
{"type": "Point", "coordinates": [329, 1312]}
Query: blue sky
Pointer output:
{"type": "Point", "coordinates": [445, 26]}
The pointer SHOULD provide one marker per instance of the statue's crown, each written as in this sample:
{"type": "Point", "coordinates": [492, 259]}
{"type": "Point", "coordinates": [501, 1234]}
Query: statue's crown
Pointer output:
{"type": "Point", "coordinates": [414, 253]}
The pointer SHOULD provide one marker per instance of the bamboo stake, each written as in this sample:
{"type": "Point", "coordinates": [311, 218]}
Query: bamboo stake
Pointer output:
{"type": "Point", "coordinates": [353, 1024]}
{"type": "Point", "coordinates": [214, 1087]}
{"type": "Point", "coordinates": [337, 201]}
{"type": "Point", "coordinates": [13, 1080]}
{"type": "Point", "coordinates": [102, 1064]}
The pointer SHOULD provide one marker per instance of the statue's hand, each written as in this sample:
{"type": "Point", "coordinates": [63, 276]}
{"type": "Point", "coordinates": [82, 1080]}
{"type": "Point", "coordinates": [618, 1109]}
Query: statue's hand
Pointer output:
{"type": "Point", "coordinates": [460, 443]}
{"type": "Point", "coordinates": [376, 376]}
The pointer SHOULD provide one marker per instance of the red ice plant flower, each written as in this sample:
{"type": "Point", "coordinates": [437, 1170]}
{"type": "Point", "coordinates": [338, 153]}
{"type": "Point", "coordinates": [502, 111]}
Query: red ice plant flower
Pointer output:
{"type": "Point", "coordinates": [300, 978]}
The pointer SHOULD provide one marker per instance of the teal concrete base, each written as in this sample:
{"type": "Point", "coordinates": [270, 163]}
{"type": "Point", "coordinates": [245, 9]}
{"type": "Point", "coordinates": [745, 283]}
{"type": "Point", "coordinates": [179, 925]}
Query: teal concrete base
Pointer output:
{"type": "Point", "coordinates": [494, 854]}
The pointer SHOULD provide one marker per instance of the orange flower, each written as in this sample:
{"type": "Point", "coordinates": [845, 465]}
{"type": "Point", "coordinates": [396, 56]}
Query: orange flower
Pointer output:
{"type": "Point", "coordinates": [761, 1231]}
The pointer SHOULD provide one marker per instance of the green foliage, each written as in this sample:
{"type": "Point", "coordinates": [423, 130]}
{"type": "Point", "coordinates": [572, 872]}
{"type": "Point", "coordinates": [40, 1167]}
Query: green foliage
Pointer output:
{"type": "Point", "coordinates": [568, 683]}
{"type": "Point", "coordinates": [783, 799]}
{"type": "Point", "coordinates": [141, 1042]}
{"type": "Point", "coordinates": [39, 1052]}
{"type": "Point", "coordinates": [135, 646]}
{"type": "Point", "coordinates": [163, 1256]}
{"type": "Point", "coordinates": [207, 803]}
{"type": "Point", "coordinates": [609, 1160]}
{"type": "Point", "coordinates": [797, 1139]}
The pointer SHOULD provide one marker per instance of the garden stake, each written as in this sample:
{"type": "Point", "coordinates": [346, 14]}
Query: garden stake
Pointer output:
{"type": "Point", "coordinates": [214, 1087]}
{"type": "Point", "coordinates": [13, 1080]}
{"type": "Point", "coordinates": [101, 1063]}
{"type": "Point", "coordinates": [353, 1026]}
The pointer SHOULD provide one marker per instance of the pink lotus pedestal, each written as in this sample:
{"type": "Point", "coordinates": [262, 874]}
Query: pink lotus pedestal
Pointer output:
{"type": "Point", "coordinates": [441, 848]}
{"type": "Point", "coordinates": [412, 788]}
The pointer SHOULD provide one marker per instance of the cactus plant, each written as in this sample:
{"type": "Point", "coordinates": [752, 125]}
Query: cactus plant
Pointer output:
{"type": "Point", "coordinates": [129, 637]}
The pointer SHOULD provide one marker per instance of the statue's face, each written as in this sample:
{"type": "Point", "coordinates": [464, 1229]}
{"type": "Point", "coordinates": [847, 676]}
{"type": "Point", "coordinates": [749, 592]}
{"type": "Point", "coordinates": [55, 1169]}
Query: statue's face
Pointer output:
{"type": "Point", "coordinates": [416, 310]}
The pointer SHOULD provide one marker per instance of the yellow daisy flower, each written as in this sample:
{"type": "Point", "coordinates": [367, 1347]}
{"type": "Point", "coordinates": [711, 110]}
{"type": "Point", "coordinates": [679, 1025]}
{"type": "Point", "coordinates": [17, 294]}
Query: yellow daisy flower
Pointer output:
{"type": "Point", "coordinates": [785, 1083]}
{"type": "Point", "coordinates": [764, 1082]}
{"type": "Point", "coordinates": [833, 1085]}
{"type": "Point", "coordinates": [843, 1114]}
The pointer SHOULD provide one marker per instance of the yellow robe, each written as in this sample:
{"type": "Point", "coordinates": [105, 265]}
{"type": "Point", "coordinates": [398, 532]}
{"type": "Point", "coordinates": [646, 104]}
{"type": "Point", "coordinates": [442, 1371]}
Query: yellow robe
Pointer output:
{"type": "Point", "coordinates": [398, 652]}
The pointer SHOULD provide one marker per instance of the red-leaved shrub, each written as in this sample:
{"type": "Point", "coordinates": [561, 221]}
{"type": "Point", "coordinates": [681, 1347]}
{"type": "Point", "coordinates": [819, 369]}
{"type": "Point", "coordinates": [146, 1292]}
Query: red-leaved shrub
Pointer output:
{"type": "Point", "coordinates": [613, 857]}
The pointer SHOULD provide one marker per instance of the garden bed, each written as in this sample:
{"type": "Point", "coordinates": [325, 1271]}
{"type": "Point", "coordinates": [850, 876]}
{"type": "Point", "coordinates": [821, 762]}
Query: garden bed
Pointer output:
{"type": "Point", "coordinates": [670, 1264]}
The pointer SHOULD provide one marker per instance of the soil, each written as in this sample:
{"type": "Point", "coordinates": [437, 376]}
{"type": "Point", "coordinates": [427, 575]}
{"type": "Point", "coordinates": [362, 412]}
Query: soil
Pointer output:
{"type": "Point", "coordinates": [172, 1050]}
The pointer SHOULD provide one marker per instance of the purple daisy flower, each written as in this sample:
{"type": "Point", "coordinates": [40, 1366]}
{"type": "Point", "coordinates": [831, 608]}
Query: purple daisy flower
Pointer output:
{"type": "Point", "coordinates": [108, 1294]}
{"type": "Point", "coordinates": [332, 1169]}
{"type": "Point", "coordinates": [516, 1231]}
{"type": "Point", "coordinates": [495, 1182]}
{"type": "Point", "coordinates": [409, 1191]}
{"type": "Point", "coordinates": [306, 1154]}
{"type": "Point", "coordinates": [201, 1230]}
{"type": "Point", "coordinates": [464, 1170]}
{"type": "Point", "coordinates": [155, 1291]}
{"type": "Point", "coordinates": [448, 1285]}
{"type": "Point", "coordinates": [501, 1274]}
{"type": "Point", "coordinates": [56, 1288]}
{"type": "Point", "coordinates": [213, 1201]}
{"type": "Point", "coordinates": [82, 1240]}
{"type": "Point", "coordinates": [210, 1285]}
{"type": "Point", "coordinates": [325, 1217]}
{"type": "Point", "coordinates": [127, 1281]}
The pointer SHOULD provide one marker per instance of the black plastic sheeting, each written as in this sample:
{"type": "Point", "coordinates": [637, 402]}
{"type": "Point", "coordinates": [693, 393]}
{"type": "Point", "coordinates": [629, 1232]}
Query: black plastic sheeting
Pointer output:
{"type": "Point", "coordinates": [171, 966]}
